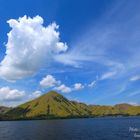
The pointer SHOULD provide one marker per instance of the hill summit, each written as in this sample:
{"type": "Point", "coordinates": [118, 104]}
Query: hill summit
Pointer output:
{"type": "Point", "coordinates": [54, 105]}
{"type": "Point", "coordinates": [50, 105]}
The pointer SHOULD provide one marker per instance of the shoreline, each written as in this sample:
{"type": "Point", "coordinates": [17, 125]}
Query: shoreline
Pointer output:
{"type": "Point", "coordinates": [68, 118]}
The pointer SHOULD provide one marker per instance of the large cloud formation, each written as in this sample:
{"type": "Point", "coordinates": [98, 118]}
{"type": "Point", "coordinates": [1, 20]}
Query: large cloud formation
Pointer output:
{"type": "Point", "coordinates": [30, 47]}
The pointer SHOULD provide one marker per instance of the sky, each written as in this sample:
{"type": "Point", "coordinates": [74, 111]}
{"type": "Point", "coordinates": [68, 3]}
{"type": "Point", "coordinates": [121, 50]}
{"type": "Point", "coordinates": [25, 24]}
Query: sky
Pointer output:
{"type": "Point", "coordinates": [87, 50]}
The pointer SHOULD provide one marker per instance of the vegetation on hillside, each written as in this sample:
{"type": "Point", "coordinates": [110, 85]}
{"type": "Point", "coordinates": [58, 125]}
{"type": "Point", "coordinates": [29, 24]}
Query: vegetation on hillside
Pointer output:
{"type": "Point", "coordinates": [54, 105]}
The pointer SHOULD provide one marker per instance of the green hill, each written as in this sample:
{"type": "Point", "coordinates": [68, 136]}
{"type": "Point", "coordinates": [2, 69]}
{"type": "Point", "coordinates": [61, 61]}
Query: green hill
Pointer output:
{"type": "Point", "coordinates": [54, 105]}
{"type": "Point", "coordinates": [119, 109]}
{"type": "Point", "coordinates": [50, 105]}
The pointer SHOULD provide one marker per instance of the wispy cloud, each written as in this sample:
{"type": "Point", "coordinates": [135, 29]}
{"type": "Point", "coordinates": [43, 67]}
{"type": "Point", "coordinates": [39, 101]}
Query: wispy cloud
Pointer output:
{"type": "Point", "coordinates": [108, 75]}
{"type": "Point", "coordinates": [134, 103]}
{"type": "Point", "coordinates": [92, 84]}
{"type": "Point", "coordinates": [111, 43]}
{"type": "Point", "coordinates": [108, 48]}
{"type": "Point", "coordinates": [134, 93]}
{"type": "Point", "coordinates": [135, 78]}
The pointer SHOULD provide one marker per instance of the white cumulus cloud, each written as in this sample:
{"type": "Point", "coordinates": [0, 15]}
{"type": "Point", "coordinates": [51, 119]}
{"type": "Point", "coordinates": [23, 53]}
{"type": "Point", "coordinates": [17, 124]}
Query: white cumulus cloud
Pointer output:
{"type": "Point", "coordinates": [30, 47]}
{"type": "Point", "coordinates": [7, 94]}
{"type": "Point", "coordinates": [35, 94]}
{"type": "Point", "coordinates": [49, 81]}
{"type": "Point", "coordinates": [78, 86]}
{"type": "Point", "coordinates": [63, 88]}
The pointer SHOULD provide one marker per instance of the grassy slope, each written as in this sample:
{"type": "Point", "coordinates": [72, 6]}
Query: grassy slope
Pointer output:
{"type": "Point", "coordinates": [54, 105]}
{"type": "Point", "coordinates": [49, 105]}
{"type": "Point", "coordinates": [120, 109]}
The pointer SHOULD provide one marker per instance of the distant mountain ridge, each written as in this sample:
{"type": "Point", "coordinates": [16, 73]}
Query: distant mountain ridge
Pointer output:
{"type": "Point", "coordinates": [4, 109]}
{"type": "Point", "coordinates": [54, 105]}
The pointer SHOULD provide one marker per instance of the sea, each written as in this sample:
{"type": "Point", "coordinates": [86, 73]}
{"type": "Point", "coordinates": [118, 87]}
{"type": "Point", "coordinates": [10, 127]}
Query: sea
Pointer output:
{"type": "Point", "coordinates": [106, 128]}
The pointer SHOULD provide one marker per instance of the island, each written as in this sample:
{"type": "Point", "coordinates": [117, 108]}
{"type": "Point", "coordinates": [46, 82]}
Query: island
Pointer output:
{"type": "Point", "coordinates": [53, 105]}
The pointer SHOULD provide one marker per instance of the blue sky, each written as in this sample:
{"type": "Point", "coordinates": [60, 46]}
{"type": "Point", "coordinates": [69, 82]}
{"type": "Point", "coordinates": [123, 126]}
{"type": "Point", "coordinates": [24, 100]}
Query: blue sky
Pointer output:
{"type": "Point", "coordinates": [87, 50]}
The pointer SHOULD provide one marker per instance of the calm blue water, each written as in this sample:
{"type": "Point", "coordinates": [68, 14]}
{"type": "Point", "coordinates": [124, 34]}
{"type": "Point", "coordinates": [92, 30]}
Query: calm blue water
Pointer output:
{"type": "Point", "coordinates": [71, 129]}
